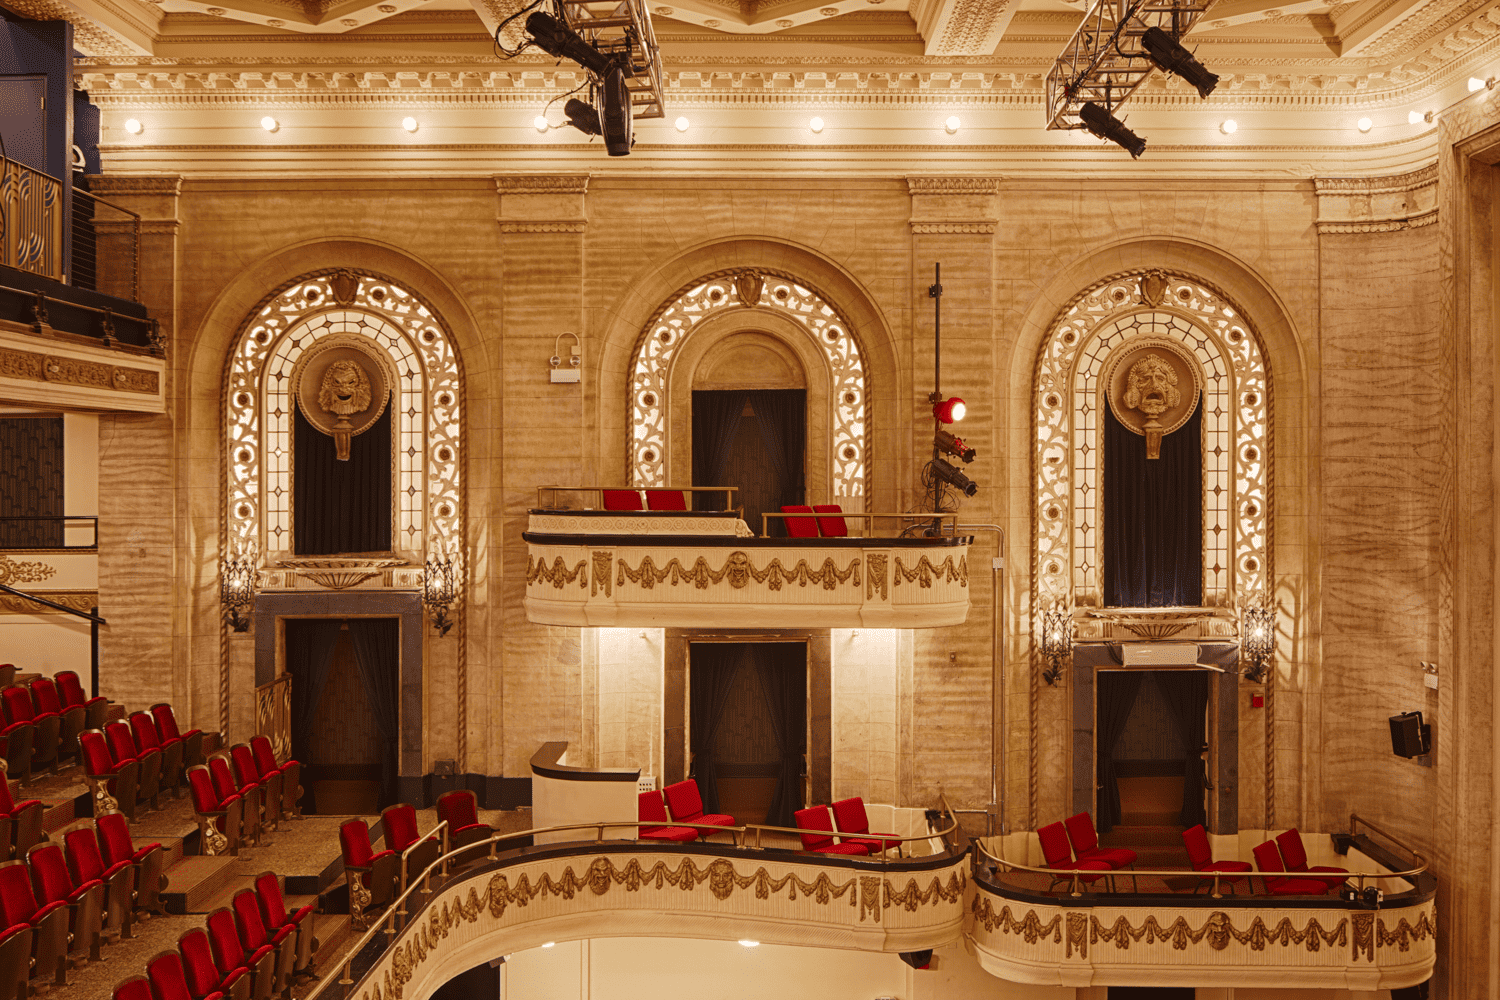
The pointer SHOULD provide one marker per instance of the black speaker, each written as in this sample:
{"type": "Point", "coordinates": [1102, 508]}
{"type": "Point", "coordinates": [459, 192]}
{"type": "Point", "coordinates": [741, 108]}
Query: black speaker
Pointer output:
{"type": "Point", "coordinates": [1417, 992]}
{"type": "Point", "coordinates": [917, 959]}
{"type": "Point", "coordinates": [1409, 736]}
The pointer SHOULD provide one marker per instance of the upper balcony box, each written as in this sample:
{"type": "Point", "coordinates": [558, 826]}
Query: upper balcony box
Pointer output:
{"type": "Point", "coordinates": [706, 569]}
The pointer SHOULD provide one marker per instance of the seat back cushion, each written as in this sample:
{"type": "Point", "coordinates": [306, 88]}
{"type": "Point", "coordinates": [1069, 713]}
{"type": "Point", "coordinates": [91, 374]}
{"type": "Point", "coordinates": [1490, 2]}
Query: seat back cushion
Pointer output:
{"type": "Point", "coordinates": [1055, 847]}
{"type": "Point", "coordinates": [622, 499]}
{"type": "Point", "coordinates": [114, 837]}
{"type": "Point", "coordinates": [69, 687]}
{"type": "Point", "coordinates": [400, 822]}
{"type": "Point", "coordinates": [814, 818]}
{"type": "Point", "coordinates": [271, 902]}
{"type": "Point", "coordinates": [684, 801]}
{"type": "Point", "coordinates": [144, 728]}
{"type": "Point", "coordinates": [17, 704]}
{"type": "Point", "coordinates": [459, 808]}
{"type": "Point", "coordinates": [44, 695]}
{"type": "Point", "coordinates": [1293, 854]}
{"type": "Point", "coordinates": [850, 815]}
{"type": "Point", "coordinates": [354, 838]}
{"type": "Point", "coordinates": [831, 527]}
{"type": "Point", "coordinates": [166, 722]}
{"type": "Point", "coordinates": [85, 863]}
{"type": "Point", "coordinates": [49, 873]}
{"type": "Point", "coordinates": [1199, 853]}
{"type": "Point", "coordinates": [224, 783]}
{"type": "Point", "coordinates": [198, 962]}
{"type": "Point", "coordinates": [650, 808]}
{"type": "Point", "coordinates": [224, 938]}
{"type": "Point", "coordinates": [17, 900]}
{"type": "Point", "coordinates": [247, 919]}
{"type": "Point", "coordinates": [246, 770]}
{"type": "Point", "coordinates": [1267, 858]}
{"type": "Point", "coordinates": [799, 527]}
{"type": "Point", "coordinates": [265, 756]}
{"type": "Point", "coordinates": [665, 500]}
{"type": "Point", "coordinates": [121, 740]}
{"type": "Point", "coordinates": [96, 758]}
{"type": "Point", "coordinates": [138, 988]}
{"type": "Point", "coordinates": [1081, 833]}
{"type": "Point", "coordinates": [168, 979]}
{"type": "Point", "coordinates": [205, 796]}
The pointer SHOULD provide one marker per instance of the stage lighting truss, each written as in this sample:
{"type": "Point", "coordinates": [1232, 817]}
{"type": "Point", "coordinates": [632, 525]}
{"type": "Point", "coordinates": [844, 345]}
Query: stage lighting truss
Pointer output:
{"type": "Point", "coordinates": [1104, 62]}
{"type": "Point", "coordinates": [623, 28]}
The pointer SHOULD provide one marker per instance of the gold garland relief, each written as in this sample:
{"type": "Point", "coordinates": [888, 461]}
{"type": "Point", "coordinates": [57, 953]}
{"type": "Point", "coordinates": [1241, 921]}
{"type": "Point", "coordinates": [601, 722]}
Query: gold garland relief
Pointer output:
{"type": "Point", "coordinates": [739, 571]}
{"type": "Point", "coordinates": [78, 600]}
{"type": "Point", "coordinates": [924, 572]}
{"type": "Point", "coordinates": [875, 576]}
{"type": "Point", "coordinates": [557, 574]}
{"type": "Point", "coordinates": [13, 572]}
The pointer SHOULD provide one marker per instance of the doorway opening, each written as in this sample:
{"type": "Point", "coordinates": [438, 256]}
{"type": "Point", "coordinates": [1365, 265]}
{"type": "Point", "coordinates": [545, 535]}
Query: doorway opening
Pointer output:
{"type": "Point", "coordinates": [748, 728]}
{"type": "Point", "coordinates": [345, 717]}
{"type": "Point", "coordinates": [754, 440]}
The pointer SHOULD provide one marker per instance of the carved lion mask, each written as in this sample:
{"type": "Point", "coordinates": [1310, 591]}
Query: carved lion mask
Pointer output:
{"type": "Point", "coordinates": [345, 389]}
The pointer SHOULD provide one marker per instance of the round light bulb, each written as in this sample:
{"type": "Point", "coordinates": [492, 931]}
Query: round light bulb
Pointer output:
{"type": "Point", "coordinates": [549, 944]}
{"type": "Point", "coordinates": [540, 123]}
{"type": "Point", "coordinates": [1229, 126]}
{"type": "Point", "coordinates": [410, 124]}
{"type": "Point", "coordinates": [952, 124]}
{"type": "Point", "coordinates": [816, 124]}
{"type": "Point", "coordinates": [746, 942]}
{"type": "Point", "coordinates": [1415, 117]}
{"type": "Point", "coordinates": [1364, 124]}
{"type": "Point", "coordinates": [682, 124]}
{"type": "Point", "coordinates": [269, 124]}
{"type": "Point", "coordinates": [1475, 84]}
{"type": "Point", "coordinates": [132, 126]}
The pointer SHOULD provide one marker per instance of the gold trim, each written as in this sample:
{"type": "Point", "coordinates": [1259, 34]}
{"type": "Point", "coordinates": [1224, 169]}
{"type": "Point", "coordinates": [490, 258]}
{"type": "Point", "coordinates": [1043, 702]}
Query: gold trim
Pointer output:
{"type": "Point", "coordinates": [13, 572]}
{"type": "Point", "coordinates": [739, 571]}
{"type": "Point", "coordinates": [78, 600]}
{"type": "Point", "coordinates": [924, 572]}
{"type": "Point", "coordinates": [602, 579]}
{"type": "Point", "coordinates": [558, 575]}
{"type": "Point", "coordinates": [875, 579]}
{"type": "Point", "coordinates": [31, 367]}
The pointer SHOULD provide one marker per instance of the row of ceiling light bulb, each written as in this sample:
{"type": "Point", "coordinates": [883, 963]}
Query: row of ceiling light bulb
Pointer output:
{"type": "Point", "coordinates": [134, 127]}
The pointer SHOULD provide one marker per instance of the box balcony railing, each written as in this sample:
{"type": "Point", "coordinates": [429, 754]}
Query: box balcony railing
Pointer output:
{"type": "Point", "coordinates": [106, 246]}
{"type": "Point", "coordinates": [31, 213]}
{"type": "Point", "coordinates": [49, 531]}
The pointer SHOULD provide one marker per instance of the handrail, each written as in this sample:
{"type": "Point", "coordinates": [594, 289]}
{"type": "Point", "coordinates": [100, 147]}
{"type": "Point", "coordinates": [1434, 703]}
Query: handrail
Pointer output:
{"type": "Point", "coordinates": [441, 828]}
{"type": "Point", "coordinates": [54, 605]}
{"type": "Point", "coordinates": [399, 906]}
{"type": "Point", "coordinates": [1356, 818]}
{"type": "Point", "coordinates": [728, 491]}
{"type": "Point", "coordinates": [864, 515]}
{"type": "Point", "coordinates": [1074, 890]}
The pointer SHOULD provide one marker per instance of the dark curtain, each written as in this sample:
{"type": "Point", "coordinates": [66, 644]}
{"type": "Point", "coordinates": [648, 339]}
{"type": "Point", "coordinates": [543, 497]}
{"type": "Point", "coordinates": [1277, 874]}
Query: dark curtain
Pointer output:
{"type": "Point", "coordinates": [714, 665]}
{"type": "Point", "coordinates": [342, 507]}
{"type": "Point", "coordinates": [377, 650]}
{"type": "Point", "coordinates": [309, 655]}
{"type": "Point", "coordinates": [1115, 691]}
{"type": "Point", "coordinates": [1186, 691]}
{"type": "Point", "coordinates": [716, 420]}
{"type": "Point", "coordinates": [782, 668]}
{"type": "Point", "coordinates": [31, 482]}
{"type": "Point", "coordinates": [1153, 517]}
{"type": "Point", "coordinates": [782, 416]}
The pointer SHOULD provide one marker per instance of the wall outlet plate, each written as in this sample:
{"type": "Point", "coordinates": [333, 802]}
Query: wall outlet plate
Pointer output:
{"type": "Point", "coordinates": [645, 783]}
{"type": "Point", "coordinates": [444, 767]}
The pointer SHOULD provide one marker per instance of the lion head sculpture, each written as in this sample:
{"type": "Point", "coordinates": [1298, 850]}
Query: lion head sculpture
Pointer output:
{"type": "Point", "coordinates": [345, 389]}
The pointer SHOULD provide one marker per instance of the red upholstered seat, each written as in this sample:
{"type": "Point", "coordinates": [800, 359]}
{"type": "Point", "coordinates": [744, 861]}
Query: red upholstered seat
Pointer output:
{"type": "Point", "coordinates": [1294, 857]}
{"type": "Point", "coordinates": [1268, 860]}
{"type": "Point", "coordinates": [273, 909]}
{"type": "Point", "coordinates": [254, 935]}
{"type": "Point", "coordinates": [138, 988]}
{"type": "Point", "coordinates": [799, 527]}
{"type": "Point", "coordinates": [460, 809]}
{"type": "Point", "coordinates": [16, 742]}
{"type": "Point", "coordinates": [148, 738]}
{"type": "Point", "coordinates": [247, 773]}
{"type": "Point", "coordinates": [192, 739]}
{"type": "Point", "coordinates": [354, 838]}
{"type": "Point", "coordinates": [204, 977]}
{"type": "Point", "coordinates": [665, 500]}
{"type": "Point", "coordinates": [400, 822]}
{"type": "Point", "coordinates": [1201, 857]}
{"type": "Point", "coordinates": [1058, 854]}
{"type": "Point", "coordinates": [86, 864]}
{"type": "Point", "coordinates": [687, 806]}
{"type": "Point", "coordinates": [24, 820]}
{"type": "Point", "coordinates": [106, 773]}
{"type": "Point", "coordinates": [47, 726]}
{"type": "Point", "coordinates": [852, 819]}
{"type": "Point", "coordinates": [1086, 843]}
{"type": "Point", "coordinates": [71, 690]}
{"type": "Point", "coordinates": [116, 842]}
{"type": "Point", "coordinates": [53, 885]}
{"type": "Point", "coordinates": [122, 746]}
{"type": "Point", "coordinates": [169, 978]}
{"type": "Point", "coordinates": [45, 696]}
{"type": "Point", "coordinates": [15, 960]}
{"type": "Point", "coordinates": [831, 527]}
{"type": "Point", "coordinates": [651, 809]}
{"type": "Point", "coordinates": [231, 953]}
{"type": "Point", "coordinates": [18, 902]}
{"type": "Point", "coordinates": [214, 813]}
{"type": "Point", "coordinates": [290, 771]}
{"type": "Point", "coordinates": [622, 499]}
{"type": "Point", "coordinates": [817, 836]}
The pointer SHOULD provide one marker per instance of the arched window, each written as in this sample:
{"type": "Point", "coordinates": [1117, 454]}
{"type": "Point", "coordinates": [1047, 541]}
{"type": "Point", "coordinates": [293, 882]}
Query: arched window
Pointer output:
{"type": "Point", "coordinates": [1069, 400]}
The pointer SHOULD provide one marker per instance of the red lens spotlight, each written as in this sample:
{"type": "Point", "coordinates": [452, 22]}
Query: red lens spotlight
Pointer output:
{"type": "Point", "coordinates": [949, 410]}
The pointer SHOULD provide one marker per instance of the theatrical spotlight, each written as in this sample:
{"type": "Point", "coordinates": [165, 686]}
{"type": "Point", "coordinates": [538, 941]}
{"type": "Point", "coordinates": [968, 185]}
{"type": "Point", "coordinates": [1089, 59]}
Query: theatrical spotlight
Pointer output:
{"type": "Point", "coordinates": [948, 444]}
{"type": "Point", "coordinates": [1103, 124]}
{"type": "Point", "coordinates": [582, 116]}
{"type": "Point", "coordinates": [557, 39]}
{"type": "Point", "coordinates": [948, 474]}
{"type": "Point", "coordinates": [616, 116]}
{"type": "Point", "coordinates": [1171, 57]}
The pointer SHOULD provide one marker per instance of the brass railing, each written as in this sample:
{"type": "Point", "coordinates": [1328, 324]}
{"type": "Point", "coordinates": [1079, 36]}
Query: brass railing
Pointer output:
{"type": "Point", "coordinates": [728, 491]}
{"type": "Point", "coordinates": [910, 519]}
{"type": "Point", "coordinates": [273, 714]}
{"type": "Point", "coordinates": [32, 216]}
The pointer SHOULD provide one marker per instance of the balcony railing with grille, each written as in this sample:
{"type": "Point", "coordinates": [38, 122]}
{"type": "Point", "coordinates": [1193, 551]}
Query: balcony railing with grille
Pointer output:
{"type": "Point", "coordinates": [31, 214]}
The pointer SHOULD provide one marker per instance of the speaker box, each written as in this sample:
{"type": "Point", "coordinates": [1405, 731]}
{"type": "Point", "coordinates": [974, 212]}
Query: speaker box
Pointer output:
{"type": "Point", "coordinates": [1409, 737]}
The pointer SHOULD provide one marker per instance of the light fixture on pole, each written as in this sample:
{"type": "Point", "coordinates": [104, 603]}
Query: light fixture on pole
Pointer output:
{"type": "Point", "coordinates": [950, 410]}
{"type": "Point", "coordinates": [1257, 640]}
{"type": "Point", "coordinates": [1057, 640]}
{"type": "Point", "coordinates": [237, 589]}
{"type": "Point", "coordinates": [439, 592]}
{"type": "Point", "coordinates": [1106, 126]}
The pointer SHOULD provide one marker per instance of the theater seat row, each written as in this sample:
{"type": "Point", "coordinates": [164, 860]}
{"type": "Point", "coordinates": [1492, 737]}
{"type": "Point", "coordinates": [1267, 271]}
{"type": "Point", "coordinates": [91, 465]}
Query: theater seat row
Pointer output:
{"type": "Point", "coordinates": [238, 794]}
{"type": "Point", "coordinates": [42, 721]}
{"type": "Point", "coordinates": [853, 830]}
{"type": "Point", "coordinates": [128, 765]}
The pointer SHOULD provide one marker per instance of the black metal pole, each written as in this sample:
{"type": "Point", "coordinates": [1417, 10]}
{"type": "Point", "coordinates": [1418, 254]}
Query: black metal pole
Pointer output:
{"type": "Point", "coordinates": [935, 292]}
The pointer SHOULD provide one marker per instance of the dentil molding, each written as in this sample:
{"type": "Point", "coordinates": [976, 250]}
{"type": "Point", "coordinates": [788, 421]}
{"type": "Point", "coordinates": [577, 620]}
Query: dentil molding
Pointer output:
{"type": "Point", "coordinates": [953, 185]}
{"type": "Point", "coordinates": [982, 227]}
{"type": "Point", "coordinates": [542, 184]}
{"type": "Point", "coordinates": [1377, 204]}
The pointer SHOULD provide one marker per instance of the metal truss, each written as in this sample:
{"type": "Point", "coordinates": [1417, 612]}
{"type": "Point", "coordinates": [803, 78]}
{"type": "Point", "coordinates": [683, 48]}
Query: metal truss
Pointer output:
{"type": "Point", "coordinates": [1103, 62]}
{"type": "Point", "coordinates": [623, 27]}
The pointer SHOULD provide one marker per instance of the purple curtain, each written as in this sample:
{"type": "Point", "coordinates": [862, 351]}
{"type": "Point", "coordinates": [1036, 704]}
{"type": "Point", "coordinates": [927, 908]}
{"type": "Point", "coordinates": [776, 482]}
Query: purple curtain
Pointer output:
{"type": "Point", "coordinates": [713, 668]}
{"type": "Point", "coordinates": [782, 669]}
{"type": "Point", "coordinates": [309, 655]}
{"type": "Point", "coordinates": [1153, 517]}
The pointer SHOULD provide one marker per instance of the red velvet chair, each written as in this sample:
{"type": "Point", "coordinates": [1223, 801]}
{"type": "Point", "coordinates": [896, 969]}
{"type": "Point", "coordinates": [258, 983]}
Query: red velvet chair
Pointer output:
{"type": "Point", "coordinates": [273, 909]}
{"type": "Point", "coordinates": [16, 742]}
{"type": "Point", "coordinates": [137, 988]}
{"type": "Point", "coordinates": [47, 699]}
{"type": "Point", "coordinates": [148, 737]}
{"type": "Point", "coordinates": [291, 774]}
{"type": "Point", "coordinates": [204, 977]}
{"type": "Point", "coordinates": [230, 953]}
{"type": "Point", "coordinates": [687, 807]}
{"type": "Point", "coordinates": [192, 739]}
{"type": "Point", "coordinates": [1294, 858]}
{"type": "Point", "coordinates": [799, 527]}
{"type": "Point", "coordinates": [402, 834]}
{"type": "Point", "coordinates": [1268, 860]}
{"type": "Point", "coordinates": [1057, 854]}
{"type": "Point", "coordinates": [854, 826]}
{"type": "Point", "coordinates": [621, 499]}
{"type": "Point", "coordinates": [8, 673]}
{"type": "Point", "coordinates": [48, 922]}
{"type": "Point", "coordinates": [70, 688]}
{"type": "Point", "coordinates": [651, 809]}
{"type": "Point", "coordinates": [122, 746]}
{"type": "Point", "coordinates": [219, 820]}
{"type": "Point", "coordinates": [52, 883]}
{"type": "Point", "coordinates": [371, 876]}
{"type": "Point", "coordinates": [15, 960]}
{"type": "Point", "coordinates": [86, 864]}
{"type": "Point", "coordinates": [48, 726]}
{"type": "Point", "coordinates": [113, 783]}
{"type": "Point", "coordinates": [665, 500]}
{"type": "Point", "coordinates": [1201, 857]}
{"type": "Point", "coordinates": [254, 935]}
{"type": "Point", "coordinates": [460, 809]}
{"type": "Point", "coordinates": [247, 772]}
{"type": "Point", "coordinates": [1086, 845]}
{"type": "Point", "coordinates": [831, 527]}
{"type": "Point", "coordinates": [20, 823]}
{"type": "Point", "coordinates": [169, 979]}
{"type": "Point", "coordinates": [816, 824]}
{"type": "Point", "coordinates": [251, 794]}
{"type": "Point", "coordinates": [116, 845]}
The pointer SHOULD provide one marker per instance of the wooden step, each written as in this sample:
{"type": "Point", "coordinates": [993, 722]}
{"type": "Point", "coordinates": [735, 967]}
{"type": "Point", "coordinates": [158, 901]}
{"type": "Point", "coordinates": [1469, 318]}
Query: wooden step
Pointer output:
{"type": "Point", "coordinates": [195, 881]}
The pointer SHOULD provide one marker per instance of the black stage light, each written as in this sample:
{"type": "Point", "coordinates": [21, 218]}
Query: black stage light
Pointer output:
{"type": "Point", "coordinates": [557, 39]}
{"type": "Point", "coordinates": [948, 474]}
{"type": "Point", "coordinates": [945, 442]}
{"type": "Point", "coordinates": [1171, 57]}
{"type": "Point", "coordinates": [616, 116]}
{"type": "Point", "coordinates": [1106, 126]}
{"type": "Point", "coordinates": [582, 116]}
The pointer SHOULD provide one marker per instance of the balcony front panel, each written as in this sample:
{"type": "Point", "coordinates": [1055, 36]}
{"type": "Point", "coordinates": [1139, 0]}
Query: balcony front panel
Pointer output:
{"type": "Point", "coordinates": [723, 580]}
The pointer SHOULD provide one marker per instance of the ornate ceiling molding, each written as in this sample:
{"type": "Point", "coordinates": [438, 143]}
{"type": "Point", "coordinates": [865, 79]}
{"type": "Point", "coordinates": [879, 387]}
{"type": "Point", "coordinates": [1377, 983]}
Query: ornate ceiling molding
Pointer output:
{"type": "Point", "coordinates": [953, 185]}
{"type": "Point", "coordinates": [542, 183]}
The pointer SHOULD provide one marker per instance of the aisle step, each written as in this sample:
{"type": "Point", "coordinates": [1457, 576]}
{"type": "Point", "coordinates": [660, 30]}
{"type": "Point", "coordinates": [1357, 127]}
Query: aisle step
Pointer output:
{"type": "Point", "coordinates": [194, 882]}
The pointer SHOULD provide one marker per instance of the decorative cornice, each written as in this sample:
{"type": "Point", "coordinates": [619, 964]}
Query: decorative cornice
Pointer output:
{"type": "Point", "coordinates": [78, 600]}
{"type": "Point", "coordinates": [1377, 185]}
{"type": "Point", "coordinates": [953, 185]}
{"type": "Point", "coordinates": [542, 183]}
{"type": "Point", "coordinates": [1377, 204]}
{"type": "Point", "coordinates": [1426, 218]}
{"type": "Point", "coordinates": [982, 227]}
{"type": "Point", "coordinates": [116, 184]}
{"type": "Point", "coordinates": [543, 227]}
{"type": "Point", "coordinates": [30, 367]}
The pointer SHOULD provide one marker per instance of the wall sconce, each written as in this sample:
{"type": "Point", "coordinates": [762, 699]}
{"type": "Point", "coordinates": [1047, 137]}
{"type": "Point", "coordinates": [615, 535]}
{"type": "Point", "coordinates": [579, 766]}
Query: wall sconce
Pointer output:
{"type": "Point", "coordinates": [572, 371]}
{"type": "Point", "coordinates": [237, 589]}
{"type": "Point", "coordinates": [1257, 641]}
{"type": "Point", "coordinates": [439, 592]}
{"type": "Point", "coordinates": [1057, 640]}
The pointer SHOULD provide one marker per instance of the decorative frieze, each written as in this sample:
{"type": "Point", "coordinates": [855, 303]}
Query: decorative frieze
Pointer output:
{"type": "Point", "coordinates": [542, 183]}
{"type": "Point", "coordinates": [953, 185]}
{"type": "Point", "coordinates": [979, 227]}
{"type": "Point", "coordinates": [34, 367]}
{"type": "Point", "coordinates": [544, 227]}
{"type": "Point", "coordinates": [13, 572]}
{"type": "Point", "coordinates": [78, 600]}
{"type": "Point", "coordinates": [1377, 204]}
{"type": "Point", "coordinates": [107, 185]}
